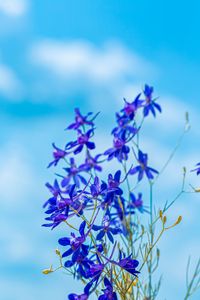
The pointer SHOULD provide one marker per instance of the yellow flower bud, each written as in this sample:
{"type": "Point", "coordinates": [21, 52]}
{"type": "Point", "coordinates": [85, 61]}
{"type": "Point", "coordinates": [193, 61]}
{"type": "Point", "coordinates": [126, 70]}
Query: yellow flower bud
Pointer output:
{"type": "Point", "coordinates": [47, 271]}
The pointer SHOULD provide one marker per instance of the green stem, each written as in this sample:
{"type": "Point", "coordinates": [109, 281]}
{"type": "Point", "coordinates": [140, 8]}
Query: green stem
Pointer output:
{"type": "Point", "coordinates": [151, 239]}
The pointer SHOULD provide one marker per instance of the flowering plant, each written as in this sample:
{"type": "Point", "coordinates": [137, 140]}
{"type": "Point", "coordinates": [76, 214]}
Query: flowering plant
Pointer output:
{"type": "Point", "coordinates": [111, 249]}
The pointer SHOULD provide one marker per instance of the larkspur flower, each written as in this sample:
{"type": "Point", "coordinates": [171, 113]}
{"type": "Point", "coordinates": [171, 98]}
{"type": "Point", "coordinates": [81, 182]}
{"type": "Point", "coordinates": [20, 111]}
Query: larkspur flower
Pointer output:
{"type": "Point", "coordinates": [84, 140]}
{"type": "Point", "coordinates": [58, 154]}
{"type": "Point", "coordinates": [79, 199]}
{"type": "Point", "coordinates": [55, 191]}
{"type": "Point", "coordinates": [120, 150]}
{"type": "Point", "coordinates": [112, 188]}
{"type": "Point", "coordinates": [80, 120]}
{"type": "Point", "coordinates": [122, 124]}
{"type": "Point", "coordinates": [128, 264]}
{"type": "Point", "coordinates": [56, 218]}
{"type": "Point", "coordinates": [75, 243]}
{"type": "Point", "coordinates": [125, 129]}
{"type": "Point", "coordinates": [197, 169]}
{"type": "Point", "coordinates": [136, 203]}
{"type": "Point", "coordinates": [108, 293]}
{"type": "Point", "coordinates": [98, 188]}
{"type": "Point", "coordinates": [91, 163]}
{"type": "Point", "coordinates": [78, 297]}
{"type": "Point", "coordinates": [106, 229]}
{"type": "Point", "coordinates": [83, 296]}
{"type": "Point", "coordinates": [130, 108]}
{"type": "Point", "coordinates": [95, 271]}
{"type": "Point", "coordinates": [114, 183]}
{"type": "Point", "coordinates": [143, 167]}
{"type": "Point", "coordinates": [82, 262]}
{"type": "Point", "coordinates": [60, 205]}
{"type": "Point", "coordinates": [73, 172]}
{"type": "Point", "coordinates": [150, 103]}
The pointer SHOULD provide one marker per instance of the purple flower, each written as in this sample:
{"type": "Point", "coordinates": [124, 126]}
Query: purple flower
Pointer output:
{"type": "Point", "coordinates": [91, 163]}
{"type": "Point", "coordinates": [76, 244]}
{"type": "Point", "coordinates": [80, 120]}
{"type": "Point", "coordinates": [128, 264]}
{"type": "Point", "coordinates": [120, 150]}
{"type": "Point", "coordinates": [96, 270]}
{"type": "Point", "coordinates": [131, 108]}
{"type": "Point", "coordinates": [55, 191]}
{"type": "Point", "coordinates": [83, 140]}
{"type": "Point", "coordinates": [114, 183]}
{"type": "Point", "coordinates": [122, 122]}
{"type": "Point", "coordinates": [58, 206]}
{"type": "Point", "coordinates": [111, 189]}
{"type": "Point", "coordinates": [73, 173]}
{"type": "Point", "coordinates": [143, 168]}
{"type": "Point", "coordinates": [97, 188]}
{"type": "Point", "coordinates": [83, 296]}
{"type": "Point", "coordinates": [108, 294]}
{"type": "Point", "coordinates": [82, 262]}
{"type": "Point", "coordinates": [136, 203]}
{"type": "Point", "coordinates": [58, 211]}
{"type": "Point", "coordinates": [106, 229]}
{"type": "Point", "coordinates": [150, 104]}
{"type": "Point", "coordinates": [56, 218]}
{"type": "Point", "coordinates": [197, 169]}
{"type": "Point", "coordinates": [57, 154]}
{"type": "Point", "coordinates": [78, 297]}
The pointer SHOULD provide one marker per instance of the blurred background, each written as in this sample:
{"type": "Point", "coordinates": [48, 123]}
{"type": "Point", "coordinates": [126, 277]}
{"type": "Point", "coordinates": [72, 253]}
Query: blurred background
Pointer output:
{"type": "Point", "coordinates": [57, 55]}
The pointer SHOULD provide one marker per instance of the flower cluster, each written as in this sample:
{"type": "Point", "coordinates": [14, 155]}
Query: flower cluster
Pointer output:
{"type": "Point", "coordinates": [101, 213]}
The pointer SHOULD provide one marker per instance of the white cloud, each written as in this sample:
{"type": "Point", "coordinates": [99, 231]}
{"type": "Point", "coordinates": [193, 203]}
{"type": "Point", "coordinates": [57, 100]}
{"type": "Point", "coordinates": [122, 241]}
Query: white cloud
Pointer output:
{"type": "Point", "coordinates": [16, 176]}
{"type": "Point", "coordinates": [10, 86]}
{"type": "Point", "coordinates": [80, 58]}
{"type": "Point", "coordinates": [14, 8]}
{"type": "Point", "coordinates": [16, 244]}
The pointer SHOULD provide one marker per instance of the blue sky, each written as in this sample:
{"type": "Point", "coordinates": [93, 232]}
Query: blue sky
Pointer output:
{"type": "Point", "coordinates": [56, 55]}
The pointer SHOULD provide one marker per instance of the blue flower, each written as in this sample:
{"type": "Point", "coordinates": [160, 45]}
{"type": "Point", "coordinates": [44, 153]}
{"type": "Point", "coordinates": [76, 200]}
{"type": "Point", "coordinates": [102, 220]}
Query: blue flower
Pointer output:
{"type": "Point", "coordinates": [78, 297]}
{"type": "Point", "coordinates": [80, 120]}
{"type": "Point", "coordinates": [136, 203]}
{"type": "Point", "coordinates": [57, 154]}
{"type": "Point", "coordinates": [82, 262]}
{"type": "Point", "coordinates": [91, 163]}
{"type": "Point", "coordinates": [143, 167]}
{"type": "Point", "coordinates": [73, 173]}
{"type": "Point", "coordinates": [95, 272]}
{"type": "Point", "coordinates": [108, 293]}
{"type": "Point", "coordinates": [58, 206]}
{"type": "Point", "coordinates": [76, 244]}
{"type": "Point", "coordinates": [83, 140]}
{"type": "Point", "coordinates": [150, 103]}
{"type": "Point", "coordinates": [131, 108]}
{"type": "Point", "coordinates": [55, 191]}
{"type": "Point", "coordinates": [197, 169]}
{"type": "Point", "coordinates": [128, 264]}
{"type": "Point", "coordinates": [120, 150]}
{"type": "Point", "coordinates": [112, 188]}
{"type": "Point", "coordinates": [98, 188]}
{"type": "Point", "coordinates": [114, 183]}
{"type": "Point", "coordinates": [106, 229]}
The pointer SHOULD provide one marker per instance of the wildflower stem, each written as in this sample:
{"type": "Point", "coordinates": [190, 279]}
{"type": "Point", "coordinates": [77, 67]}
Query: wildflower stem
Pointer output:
{"type": "Point", "coordinates": [190, 287]}
{"type": "Point", "coordinates": [151, 238]}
